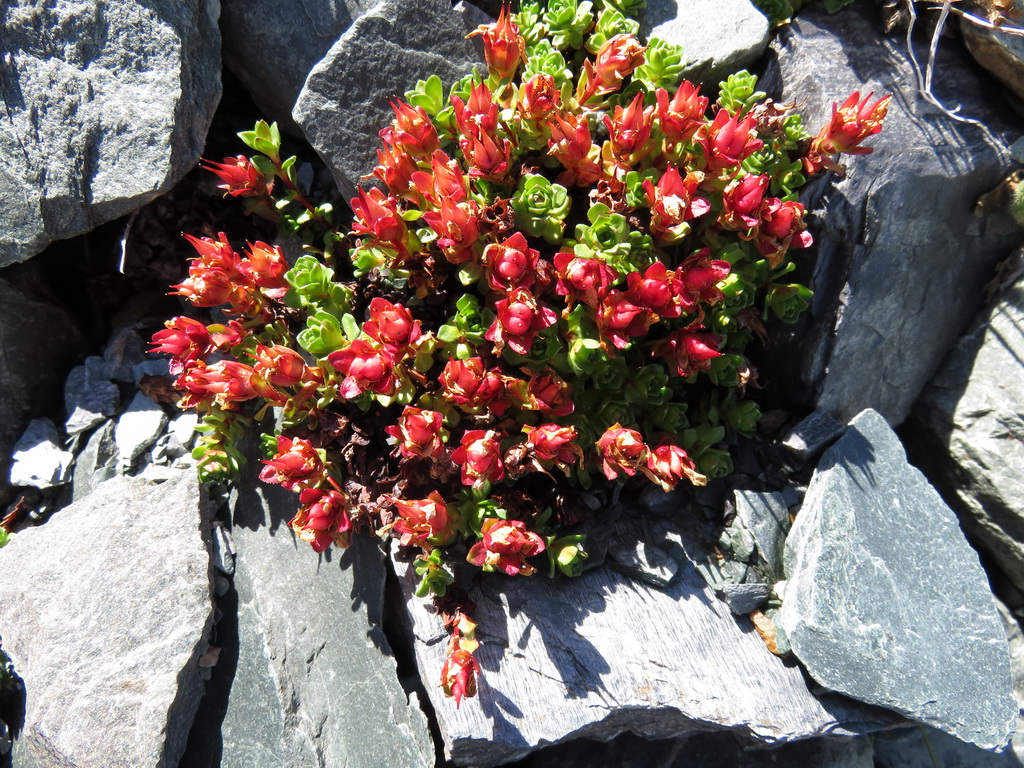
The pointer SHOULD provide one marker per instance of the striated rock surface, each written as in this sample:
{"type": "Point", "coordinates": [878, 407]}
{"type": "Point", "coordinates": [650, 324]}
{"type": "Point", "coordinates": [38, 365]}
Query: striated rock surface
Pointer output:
{"type": "Point", "coordinates": [107, 610]}
{"type": "Point", "coordinates": [601, 654]}
{"type": "Point", "coordinates": [885, 600]}
{"type": "Point", "coordinates": [967, 431]}
{"type": "Point", "coordinates": [316, 682]}
{"type": "Point", "coordinates": [107, 105]}
{"type": "Point", "coordinates": [999, 50]}
{"type": "Point", "coordinates": [901, 257]}
{"type": "Point", "coordinates": [344, 104]}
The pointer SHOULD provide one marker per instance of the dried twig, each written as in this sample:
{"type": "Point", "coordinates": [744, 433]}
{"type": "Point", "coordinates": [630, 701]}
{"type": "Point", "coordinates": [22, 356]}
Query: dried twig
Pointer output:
{"type": "Point", "coordinates": [977, 20]}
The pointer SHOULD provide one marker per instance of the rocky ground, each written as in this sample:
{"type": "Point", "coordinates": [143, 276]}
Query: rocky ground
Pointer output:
{"type": "Point", "coordinates": [153, 621]}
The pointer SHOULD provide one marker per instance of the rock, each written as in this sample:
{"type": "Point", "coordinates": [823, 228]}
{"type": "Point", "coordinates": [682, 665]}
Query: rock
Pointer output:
{"type": "Point", "coordinates": [766, 517]}
{"type": "Point", "coordinates": [36, 335]}
{"type": "Point", "coordinates": [271, 46]}
{"type": "Point", "coordinates": [967, 431]}
{"type": "Point", "coordinates": [718, 36]}
{"type": "Point", "coordinates": [907, 748]}
{"type": "Point", "coordinates": [151, 368]}
{"type": "Point", "coordinates": [876, 329]}
{"type": "Point", "coordinates": [108, 104]}
{"type": "Point", "coordinates": [601, 654]}
{"type": "Point", "coordinates": [39, 460]}
{"type": "Point", "coordinates": [646, 548]}
{"type": "Point", "coordinates": [744, 598]}
{"type": "Point", "coordinates": [107, 636]}
{"type": "Point", "coordinates": [96, 462]}
{"type": "Point", "coordinates": [998, 50]}
{"type": "Point", "coordinates": [886, 602]}
{"type": "Point", "coordinates": [706, 749]}
{"type": "Point", "coordinates": [125, 350]}
{"type": "Point", "coordinates": [344, 103]}
{"type": "Point", "coordinates": [223, 550]}
{"type": "Point", "coordinates": [89, 396]}
{"type": "Point", "coordinates": [813, 435]}
{"type": "Point", "coordinates": [184, 426]}
{"type": "Point", "coordinates": [137, 429]}
{"type": "Point", "coordinates": [316, 683]}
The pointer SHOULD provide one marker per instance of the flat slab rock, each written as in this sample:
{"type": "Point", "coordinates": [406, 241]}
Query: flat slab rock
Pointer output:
{"type": "Point", "coordinates": [602, 654]}
{"type": "Point", "coordinates": [106, 612]}
{"type": "Point", "coordinates": [886, 601]}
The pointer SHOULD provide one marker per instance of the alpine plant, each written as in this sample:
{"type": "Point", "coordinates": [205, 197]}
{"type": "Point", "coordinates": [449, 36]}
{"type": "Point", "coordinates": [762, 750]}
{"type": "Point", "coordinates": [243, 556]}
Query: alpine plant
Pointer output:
{"type": "Point", "coordinates": [551, 276]}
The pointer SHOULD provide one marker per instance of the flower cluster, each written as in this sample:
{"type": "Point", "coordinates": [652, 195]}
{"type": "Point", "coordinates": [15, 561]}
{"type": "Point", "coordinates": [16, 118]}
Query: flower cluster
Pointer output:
{"type": "Point", "coordinates": [553, 278]}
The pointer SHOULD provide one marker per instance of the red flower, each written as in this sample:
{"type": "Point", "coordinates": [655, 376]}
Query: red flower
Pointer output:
{"type": "Point", "coordinates": [411, 131]}
{"type": "Point", "coordinates": [673, 202]}
{"type": "Point", "coordinates": [538, 97]}
{"type": "Point", "coordinates": [520, 319]}
{"type": "Point", "coordinates": [480, 457]}
{"type": "Point", "coordinates": [419, 432]}
{"type": "Point", "coordinates": [629, 128]}
{"type": "Point", "coordinates": [457, 228]}
{"type": "Point", "coordinates": [425, 523]}
{"type": "Point", "coordinates": [378, 216]}
{"type": "Point", "coordinates": [224, 383]}
{"type": "Point", "coordinates": [668, 464]}
{"type": "Point", "coordinates": [280, 365]}
{"type": "Point", "coordinates": [240, 178]}
{"type": "Point", "coordinates": [392, 325]}
{"type": "Point", "coordinates": [445, 181]}
{"type": "Point", "coordinates": [395, 167]}
{"type": "Point", "coordinates": [851, 124]}
{"type": "Point", "coordinates": [782, 228]}
{"type": "Point", "coordinates": [505, 545]}
{"type": "Point", "coordinates": [616, 60]}
{"type": "Point", "coordinates": [185, 339]}
{"type": "Point", "coordinates": [555, 444]}
{"type": "Point", "coordinates": [620, 320]}
{"type": "Point", "coordinates": [742, 199]}
{"type": "Point", "coordinates": [458, 674]}
{"type": "Point", "coordinates": [213, 278]}
{"type": "Point", "coordinates": [503, 47]}
{"type": "Point", "coordinates": [296, 466]}
{"type": "Point", "coordinates": [323, 519]}
{"type": "Point", "coordinates": [680, 118]}
{"type": "Point", "coordinates": [366, 369]}
{"type": "Point", "coordinates": [657, 289]}
{"type": "Point", "coordinates": [689, 352]}
{"type": "Point", "coordinates": [588, 280]}
{"type": "Point", "coordinates": [488, 155]}
{"type": "Point", "coordinates": [729, 141]}
{"type": "Point", "coordinates": [550, 394]}
{"type": "Point", "coordinates": [572, 145]}
{"type": "Point", "coordinates": [469, 386]}
{"type": "Point", "coordinates": [510, 264]}
{"type": "Point", "coordinates": [623, 450]}
{"type": "Point", "coordinates": [700, 276]}
{"type": "Point", "coordinates": [265, 267]}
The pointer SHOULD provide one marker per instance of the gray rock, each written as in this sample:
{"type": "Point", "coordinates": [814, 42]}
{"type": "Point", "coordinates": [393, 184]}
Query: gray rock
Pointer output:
{"type": "Point", "coordinates": [108, 104]}
{"type": "Point", "coordinates": [316, 683]}
{"type": "Point", "coordinates": [184, 426]}
{"type": "Point", "coordinates": [39, 460]}
{"type": "Point", "coordinates": [998, 50]}
{"type": "Point", "coordinates": [108, 635]}
{"type": "Point", "coordinates": [913, 747]}
{"type": "Point", "coordinates": [344, 103]}
{"type": "Point", "coordinates": [601, 654]}
{"type": "Point", "coordinates": [766, 517]}
{"type": "Point", "coordinates": [744, 598]}
{"type": "Point", "coordinates": [718, 36]}
{"type": "Point", "coordinates": [649, 549]}
{"type": "Point", "coordinates": [271, 46]}
{"type": "Point", "coordinates": [35, 335]}
{"type": "Point", "coordinates": [877, 330]}
{"type": "Point", "coordinates": [137, 429]}
{"type": "Point", "coordinates": [885, 600]}
{"type": "Point", "coordinates": [812, 435]}
{"type": "Point", "coordinates": [124, 350]}
{"type": "Point", "coordinates": [967, 432]}
{"type": "Point", "coordinates": [151, 368]}
{"type": "Point", "coordinates": [96, 462]}
{"type": "Point", "coordinates": [89, 396]}
{"type": "Point", "coordinates": [223, 550]}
